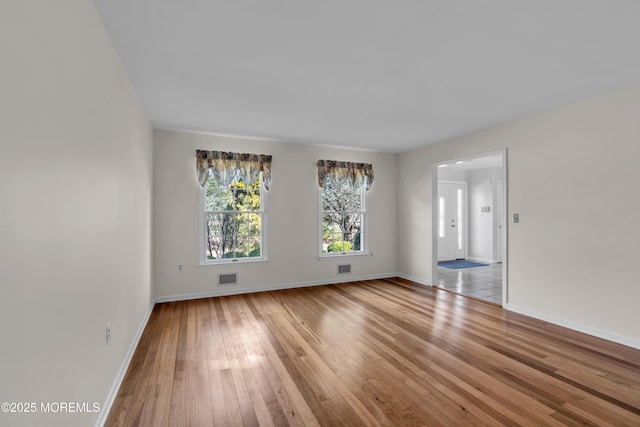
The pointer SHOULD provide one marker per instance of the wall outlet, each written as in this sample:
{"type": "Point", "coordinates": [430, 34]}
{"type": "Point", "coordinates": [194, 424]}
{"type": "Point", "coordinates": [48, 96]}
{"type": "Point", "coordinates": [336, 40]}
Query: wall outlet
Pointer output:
{"type": "Point", "coordinates": [179, 267]}
{"type": "Point", "coordinates": [108, 333]}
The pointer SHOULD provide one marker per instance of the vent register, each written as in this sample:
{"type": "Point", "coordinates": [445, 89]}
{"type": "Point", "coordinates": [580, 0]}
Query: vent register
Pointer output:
{"type": "Point", "coordinates": [227, 279]}
{"type": "Point", "coordinates": [344, 269]}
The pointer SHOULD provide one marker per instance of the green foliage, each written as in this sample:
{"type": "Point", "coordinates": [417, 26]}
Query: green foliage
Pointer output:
{"type": "Point", "coordinates": [339, 246]}
{"type": "Point", "coordinates": [233, 231]}
{"type": "Point", "coordinates": [255, 252]}
{"type": "Point", "coordinates": [328, 231]}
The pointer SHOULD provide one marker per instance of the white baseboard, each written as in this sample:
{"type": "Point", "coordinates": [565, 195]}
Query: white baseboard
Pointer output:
{"type": "Point", "coordinates": [619, 339]}
{"type": "Point", "coordinates": [414, 279]}
{"type": "Point", "coordinates": [239, 291]}
{"type": "Point", "coordinates": [115, 387]}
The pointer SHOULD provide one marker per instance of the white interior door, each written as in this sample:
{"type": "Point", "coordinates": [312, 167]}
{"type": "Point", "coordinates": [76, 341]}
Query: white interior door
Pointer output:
{"type": "Point", "coordinates": [452, 233]}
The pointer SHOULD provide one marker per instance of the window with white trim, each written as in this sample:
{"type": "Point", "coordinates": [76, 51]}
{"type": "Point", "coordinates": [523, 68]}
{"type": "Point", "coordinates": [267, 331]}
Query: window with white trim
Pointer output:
{"type": "Point", "coordinates": [232, 205]}
{"type": "Point", "coordinates": [343, 186]}
{"type": "Point", "coordinates": [343, 216]}
{"type": "Point", "coordinates": [234, 221]}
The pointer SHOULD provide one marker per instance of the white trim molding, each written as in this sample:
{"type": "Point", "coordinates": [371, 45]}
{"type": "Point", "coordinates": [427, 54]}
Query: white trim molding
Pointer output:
{"type": "Point", "coordinates": [241, 291]}
{"type": "Point", "coordinates": [619, 339]}
{"type": "Point", "coordinates": [115, 387]}
{"type": "Point", "coordinates": [414, 279]}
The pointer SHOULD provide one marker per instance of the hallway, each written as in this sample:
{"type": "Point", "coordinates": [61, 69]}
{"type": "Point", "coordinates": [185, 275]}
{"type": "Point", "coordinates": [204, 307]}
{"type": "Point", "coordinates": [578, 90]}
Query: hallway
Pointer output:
{"type": "Point", "coordinates": [484, 283]}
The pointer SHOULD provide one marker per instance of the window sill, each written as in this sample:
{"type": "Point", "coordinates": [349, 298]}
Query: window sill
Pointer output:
{"type": "Point", "coordinates": [229, 262]}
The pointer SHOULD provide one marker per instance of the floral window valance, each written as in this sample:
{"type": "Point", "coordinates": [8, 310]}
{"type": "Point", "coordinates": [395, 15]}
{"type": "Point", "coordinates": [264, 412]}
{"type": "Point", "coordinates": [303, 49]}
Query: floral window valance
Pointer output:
{"type": "Point", "coordinates": [355, 174]}
{"type": "Point", "coordinates": [228, 167]}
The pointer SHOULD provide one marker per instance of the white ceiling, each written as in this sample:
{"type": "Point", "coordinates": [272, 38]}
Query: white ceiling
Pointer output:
{"type": "Point", "coordinates": [382, 75]}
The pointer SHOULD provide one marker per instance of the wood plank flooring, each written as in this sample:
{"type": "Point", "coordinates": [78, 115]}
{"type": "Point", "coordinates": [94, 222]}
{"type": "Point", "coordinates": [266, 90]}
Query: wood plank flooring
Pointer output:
{"type": "Point", "coordinates": [380, 352]}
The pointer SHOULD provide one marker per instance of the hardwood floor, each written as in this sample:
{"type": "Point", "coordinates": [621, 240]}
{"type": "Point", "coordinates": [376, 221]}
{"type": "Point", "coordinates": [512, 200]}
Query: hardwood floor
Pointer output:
{"type": "Point", "coordinates": [380, 352]}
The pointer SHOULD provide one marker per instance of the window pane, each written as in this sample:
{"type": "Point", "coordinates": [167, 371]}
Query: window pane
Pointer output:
{"type": "Point", "coordinates": [242, 224]}
{"type": "Point", "coordinates": [352, 199]}
{"type": "Point", "coordinates": [341, 199]}
{"type": "Point", "coordinates": [241, 247]}
{"type": "Point", "coordinates": [341, 246]}
{"type": "Point", "coordinates": [227, 203]}
{"type": "Point", "coordinates": [357, 241]}
{"type": "Point", "coordinates": [238, 195]}
{"type": "Point", "coordinates": [254, 246]}
{"type": "Point", "coordinates": [253, 197]}
{"type": "Point", "coordinates": [214, 224]}
{"type": "Point", "coordinates": [329, 228]}
{"type": "Point", "coordinates": [217, 198]}
{"type": "Point", "coordinates": [460, 217]}
{"type": "Point", "coordinates": [245, 198]}
{"type": "Point", "coordinates": [253, 223]}
{"type": "Point", "coordinates": [214, 247]}
{"type": "Point", "coordinates": [441, 216]}
{"type": "Point", "coordinates": [227, 246]}
{"type": "Point", "coordinates": [330, 225]}
{"type": "Point", "coordinates": [229, 224]}
{"type": "Point", "coordinates": [351, 227]}
{"type": "Point", "coordinates": [335, 244]}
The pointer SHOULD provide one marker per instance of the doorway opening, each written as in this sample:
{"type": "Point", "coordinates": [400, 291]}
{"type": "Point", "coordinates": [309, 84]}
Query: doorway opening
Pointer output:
{"type": "Point", "coordinates": [469, 243]}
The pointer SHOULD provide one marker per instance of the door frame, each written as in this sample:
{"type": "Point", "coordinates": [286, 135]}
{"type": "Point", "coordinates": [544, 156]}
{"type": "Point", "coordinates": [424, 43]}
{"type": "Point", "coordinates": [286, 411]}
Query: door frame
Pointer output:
{"type": "Point", "coordinates": [505, 222]}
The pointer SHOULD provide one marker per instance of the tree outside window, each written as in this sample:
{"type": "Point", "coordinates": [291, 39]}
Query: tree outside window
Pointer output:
{"type": "Point", "coordinates": [233, 218]}
{"type": "Point", "coordinates": [343, 216]}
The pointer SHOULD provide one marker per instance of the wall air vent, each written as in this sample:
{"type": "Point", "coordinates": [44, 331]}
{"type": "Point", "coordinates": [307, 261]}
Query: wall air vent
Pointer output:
{"type": "Point", "coordinates": [344, 269]}
{"type": "Point", "coordinates": [227, 279]}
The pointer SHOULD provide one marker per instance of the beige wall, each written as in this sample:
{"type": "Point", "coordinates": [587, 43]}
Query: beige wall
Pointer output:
{"type": "Point", "coordinates": [573, 177]}
{"type": "Point", "coordinates": [75, 224]}
{"type": "Point", "coordinates": [292, 224]}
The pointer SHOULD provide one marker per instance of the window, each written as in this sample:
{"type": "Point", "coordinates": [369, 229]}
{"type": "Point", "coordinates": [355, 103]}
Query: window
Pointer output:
{"type": "Point", "coordinates": [441, 216]}
{"type": "Point", "coordinates": [460, 218]}
{"type": "Point", "coordinates": [234, 219]}
{"type": "Point", "coordinates": [342, 206]}
{"type": "Point", "coordinates": [232, 205]}
{"type": "Point", "coordinates": [343, 215]}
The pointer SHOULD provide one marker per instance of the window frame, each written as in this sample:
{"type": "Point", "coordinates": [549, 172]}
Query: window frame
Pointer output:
{"type": "Point", "coordinates": [202, 232]}
{"type": "Point", "coordinates": [364, 234]}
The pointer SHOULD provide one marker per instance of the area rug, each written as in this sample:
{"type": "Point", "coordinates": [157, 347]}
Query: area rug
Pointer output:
{"type": "Point", "coordinates": [460, 263]}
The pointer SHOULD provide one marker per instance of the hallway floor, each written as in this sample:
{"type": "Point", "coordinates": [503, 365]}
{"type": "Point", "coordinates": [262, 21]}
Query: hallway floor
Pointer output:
{"type": "Point", "coordinates": [484, 283]}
